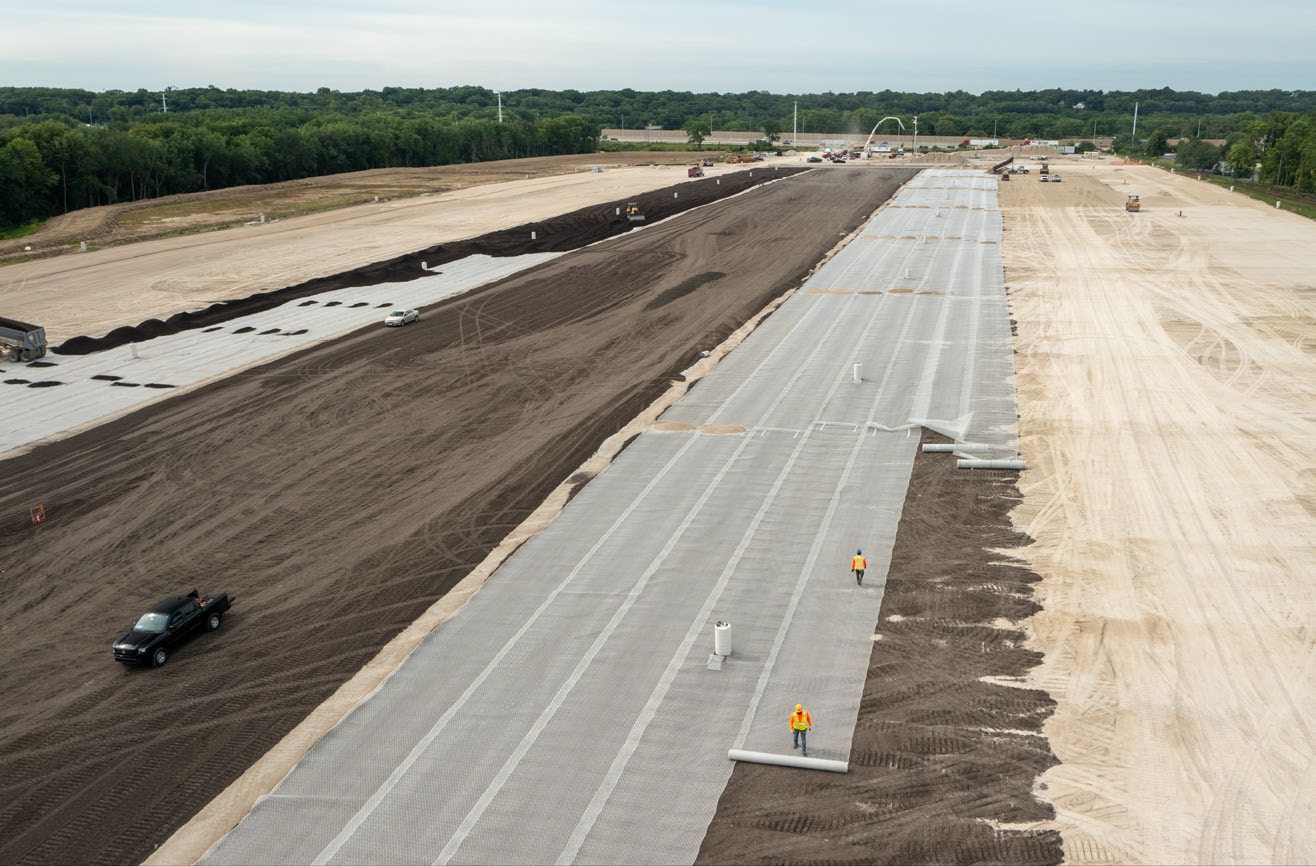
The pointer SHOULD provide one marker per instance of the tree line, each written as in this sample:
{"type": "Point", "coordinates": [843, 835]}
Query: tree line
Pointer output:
{"type": "Point", "coordinates": [63, 149]}
{"type": "Point", "coordinates": [53, 165]}
{"type": "Point", "coordinates": [1279, 149]}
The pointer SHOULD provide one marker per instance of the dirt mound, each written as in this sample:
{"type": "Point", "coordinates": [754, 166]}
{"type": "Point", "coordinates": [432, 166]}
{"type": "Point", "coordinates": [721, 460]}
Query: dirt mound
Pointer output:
{"type": "Point", "coordinates": [560, 234]}
{"type": "Point", "coordinates": [938, 756]}
{"type": "Point", "coordinates": [337, 492]}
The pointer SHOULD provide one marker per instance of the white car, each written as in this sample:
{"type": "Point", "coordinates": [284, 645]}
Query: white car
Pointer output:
{"type": "Point", "coordinates": [402, 317]}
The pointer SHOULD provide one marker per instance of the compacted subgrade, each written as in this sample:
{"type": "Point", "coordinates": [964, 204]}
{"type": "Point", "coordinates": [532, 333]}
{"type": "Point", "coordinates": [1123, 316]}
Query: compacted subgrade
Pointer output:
{"type": "Point", "coordinates": [337, 492]}
{"type": "Point", "coordinates": [943, 763]}
{"type": "Point", "coordinates": [559, 234]}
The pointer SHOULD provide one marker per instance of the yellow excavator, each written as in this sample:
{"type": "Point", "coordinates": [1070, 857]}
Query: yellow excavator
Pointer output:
{"type": "Point", "coordinates": [1132, 205]}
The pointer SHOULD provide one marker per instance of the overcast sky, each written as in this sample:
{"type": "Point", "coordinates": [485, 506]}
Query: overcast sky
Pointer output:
{"type": "Point", "coordinates": [699, 45]}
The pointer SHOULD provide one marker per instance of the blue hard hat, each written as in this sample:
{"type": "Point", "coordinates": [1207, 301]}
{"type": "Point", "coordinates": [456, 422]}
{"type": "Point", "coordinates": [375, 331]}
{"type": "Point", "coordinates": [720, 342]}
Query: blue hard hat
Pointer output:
{"type": "Point", "coordinates": [859, 552]}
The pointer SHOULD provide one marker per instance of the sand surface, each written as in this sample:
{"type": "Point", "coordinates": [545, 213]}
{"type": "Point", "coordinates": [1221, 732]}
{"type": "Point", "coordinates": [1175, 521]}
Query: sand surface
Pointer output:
{"type": "Point", "coordinates": [337, 492]}
{"type": "Point", "coordinates": [91, 293]}
{"type": "Point", "coordinates": [183, 213]}
{"type": "Point", "coordinates": [1167, 385]}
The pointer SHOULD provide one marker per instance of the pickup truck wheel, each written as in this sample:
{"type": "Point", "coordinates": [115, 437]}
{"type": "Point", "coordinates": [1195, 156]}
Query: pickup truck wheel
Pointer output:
{"type": "Point", "coordinates": [212, 622]}
{"type": "Point", "coordinates": [159, 657]}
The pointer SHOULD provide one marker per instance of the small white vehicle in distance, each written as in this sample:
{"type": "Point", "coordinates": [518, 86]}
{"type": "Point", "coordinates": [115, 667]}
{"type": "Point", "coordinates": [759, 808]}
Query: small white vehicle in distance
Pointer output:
{"type": "Point", "coordinates": [401, 317]}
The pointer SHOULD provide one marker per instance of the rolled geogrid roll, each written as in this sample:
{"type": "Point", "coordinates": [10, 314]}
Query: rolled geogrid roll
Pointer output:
{"type": "Point", "coordinates": [974, 463]}
{"type": "Point", "coordinates": [964, 447]}
{"type": "Point", "coordinates": [789, 761]}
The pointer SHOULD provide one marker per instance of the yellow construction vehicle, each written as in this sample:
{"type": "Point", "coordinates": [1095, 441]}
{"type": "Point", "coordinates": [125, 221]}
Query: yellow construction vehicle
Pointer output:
{"type": "Point", "coordinates": [1132, 205]}
{"type": "Point", "coordinates": [633, 213]}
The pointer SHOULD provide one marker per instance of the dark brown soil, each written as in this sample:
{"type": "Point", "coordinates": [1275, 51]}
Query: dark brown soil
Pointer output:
{"type": "Point", "coordinates": [557, 235]}
{"type": "Point", "coordinates": [337, 493]}
{"type": "Point", "coordinates": [937, 753]}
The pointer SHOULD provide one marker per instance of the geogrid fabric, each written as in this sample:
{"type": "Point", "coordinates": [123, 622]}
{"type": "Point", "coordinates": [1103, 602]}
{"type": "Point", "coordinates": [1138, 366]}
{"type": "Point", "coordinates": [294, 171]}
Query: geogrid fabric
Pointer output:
{"type": "Point", "coordinates": [104, 383]}
{"type": "Point", "coordinates": [569, 713]}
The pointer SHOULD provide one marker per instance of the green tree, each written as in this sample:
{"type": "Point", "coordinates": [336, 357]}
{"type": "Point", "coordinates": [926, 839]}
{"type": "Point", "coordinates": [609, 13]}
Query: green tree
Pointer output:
{"type": "Point", "coordinates": [24, 183]}
{"type": "Point", "coordinates": [696, 130]}
{"type": "Point", "coordinates": [1194, 153]}
{"type": "Point", "coordinates": [1157, 143]}
{"type": "Point", "coordinates": [771, 129]}
{"type": "Point", "coordinates": [1242, 159]}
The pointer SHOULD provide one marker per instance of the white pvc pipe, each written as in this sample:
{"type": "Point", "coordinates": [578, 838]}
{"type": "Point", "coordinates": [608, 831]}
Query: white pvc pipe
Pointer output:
{"type": "Point", "coordinates": [789, 761]}
{"type": "Point", "coordinates": [949, 448]}
{"type": "Point", "coordinates": [990, 464]}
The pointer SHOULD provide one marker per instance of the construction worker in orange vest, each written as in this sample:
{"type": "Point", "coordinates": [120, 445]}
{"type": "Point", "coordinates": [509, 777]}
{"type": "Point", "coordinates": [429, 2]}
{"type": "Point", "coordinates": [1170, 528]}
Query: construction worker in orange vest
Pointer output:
{"type": "Point", "coordinates": [801, 724]}
{"type": "Point", "coordinates": [858, 563]}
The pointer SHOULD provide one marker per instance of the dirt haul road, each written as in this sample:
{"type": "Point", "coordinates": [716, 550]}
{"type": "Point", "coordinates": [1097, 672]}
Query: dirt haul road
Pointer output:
{"type": "Point", "coordinates": [90, 293]}
{"type": "Point", "coordinates": [1167, 380]}
{"type": "Point", "coordinates": [337, 493]}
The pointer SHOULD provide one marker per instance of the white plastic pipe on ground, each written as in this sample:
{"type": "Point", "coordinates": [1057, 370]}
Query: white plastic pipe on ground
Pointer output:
{"type": "Point", "coordinates": [789, 761]}
{"type": "Point", "coordinates": [970, 463]}
{"type": "Point", "coordinates": [949, 448]}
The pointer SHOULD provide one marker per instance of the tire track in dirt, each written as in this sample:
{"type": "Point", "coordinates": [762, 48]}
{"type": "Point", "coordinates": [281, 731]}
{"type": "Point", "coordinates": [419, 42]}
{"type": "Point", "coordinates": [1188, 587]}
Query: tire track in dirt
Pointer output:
{"type": "Point", "coordinates": [338, 493]}
{"type": "Point", "coordinates": [943, 763]}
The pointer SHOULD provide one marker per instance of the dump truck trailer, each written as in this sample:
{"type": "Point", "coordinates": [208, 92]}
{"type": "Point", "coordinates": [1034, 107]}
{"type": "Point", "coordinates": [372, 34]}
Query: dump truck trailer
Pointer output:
{"type": "Point", "coordinates": [21, 342]}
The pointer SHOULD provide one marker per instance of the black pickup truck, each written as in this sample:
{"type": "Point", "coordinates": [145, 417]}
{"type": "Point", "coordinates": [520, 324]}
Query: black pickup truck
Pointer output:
{"type": "Point", "coordinates": [164, 626]}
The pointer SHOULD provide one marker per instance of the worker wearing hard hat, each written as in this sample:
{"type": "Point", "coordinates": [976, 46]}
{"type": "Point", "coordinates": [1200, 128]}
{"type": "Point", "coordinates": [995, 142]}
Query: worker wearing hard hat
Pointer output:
{"type": "Point", "coordinates": [858, 563]}
{"type": "Point", "coordinates": [801, 724]}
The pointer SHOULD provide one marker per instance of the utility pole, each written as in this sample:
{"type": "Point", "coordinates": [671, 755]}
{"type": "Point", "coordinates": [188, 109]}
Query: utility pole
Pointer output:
{"type": "Point", "coordinates": [795, 125]}
{"type": "Point", "coordinates": [164, 103]}
{"type": "Point", "coordinates": [1134, 142]}
{"type": "Point", "coordinates": [914, 147]}
{"type": "Point", "coordinates": [500, 107]}
{"type": "Point", "coordinates": [1199, 129]}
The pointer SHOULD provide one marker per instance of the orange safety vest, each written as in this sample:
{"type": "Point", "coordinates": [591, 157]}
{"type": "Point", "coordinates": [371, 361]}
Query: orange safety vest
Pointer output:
{"type": "Point", "coordinates": [857, 562]}
{"type": "Point", "coordinates": [801, 721]}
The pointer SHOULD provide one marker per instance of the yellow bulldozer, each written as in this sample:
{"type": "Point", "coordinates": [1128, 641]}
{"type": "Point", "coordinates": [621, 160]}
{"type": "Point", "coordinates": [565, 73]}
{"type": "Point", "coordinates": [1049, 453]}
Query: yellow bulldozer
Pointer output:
{"type": "Point", "coordinates": [1132, 204]}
